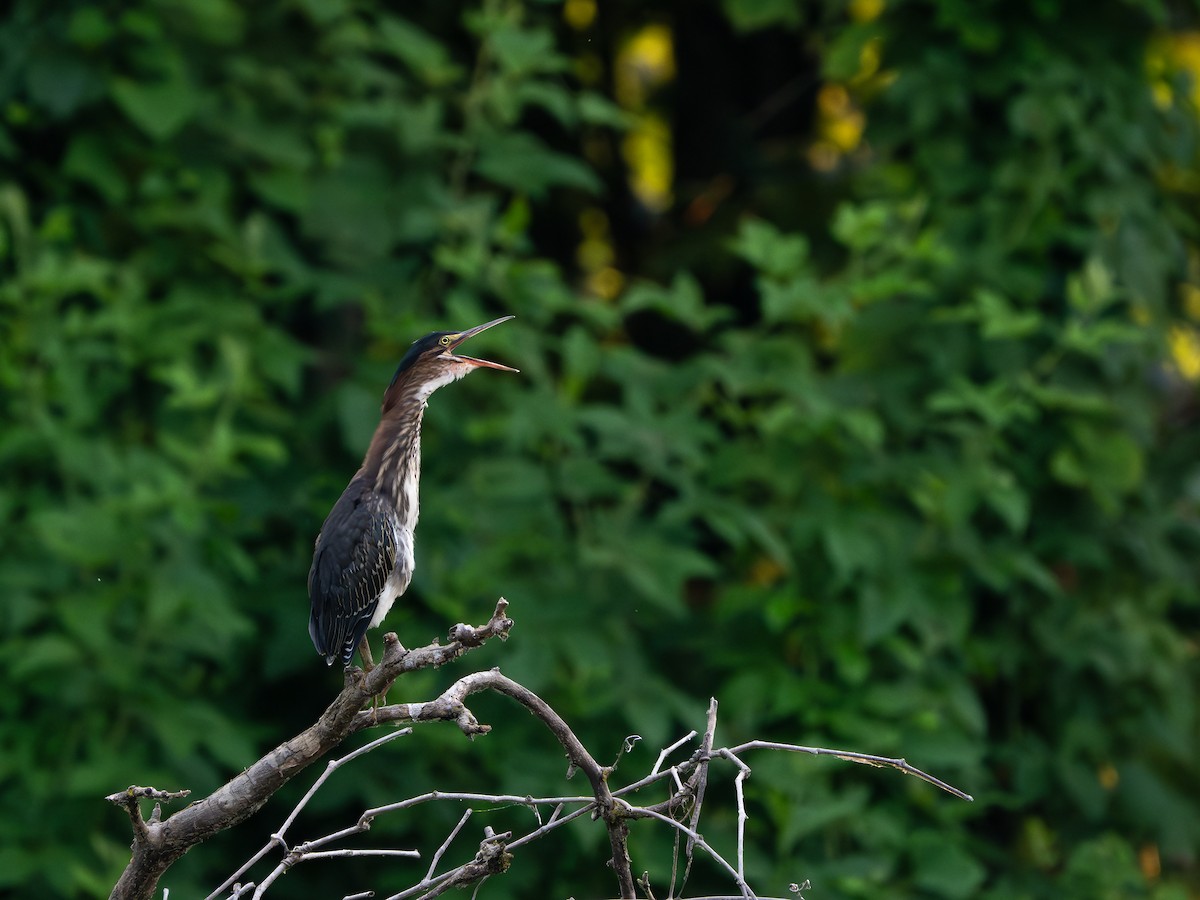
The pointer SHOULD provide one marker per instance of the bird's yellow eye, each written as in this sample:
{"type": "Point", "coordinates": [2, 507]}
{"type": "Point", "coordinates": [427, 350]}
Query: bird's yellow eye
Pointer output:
{"type": "Point", "coordinates": [445, 341]}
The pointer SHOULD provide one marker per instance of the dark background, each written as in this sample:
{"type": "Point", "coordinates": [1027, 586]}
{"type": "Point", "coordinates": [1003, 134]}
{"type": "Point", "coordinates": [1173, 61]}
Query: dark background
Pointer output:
{"type": "Point", "coordinates": [859, 365]}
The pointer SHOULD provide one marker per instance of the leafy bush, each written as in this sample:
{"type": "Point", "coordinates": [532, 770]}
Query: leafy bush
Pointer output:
{"type": "Point", "coordinates": [873, 435]}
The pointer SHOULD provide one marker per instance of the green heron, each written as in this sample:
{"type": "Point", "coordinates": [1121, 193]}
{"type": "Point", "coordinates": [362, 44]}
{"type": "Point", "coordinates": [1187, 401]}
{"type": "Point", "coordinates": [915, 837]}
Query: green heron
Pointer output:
{"type": "Point", "coordinates": [363, 559]}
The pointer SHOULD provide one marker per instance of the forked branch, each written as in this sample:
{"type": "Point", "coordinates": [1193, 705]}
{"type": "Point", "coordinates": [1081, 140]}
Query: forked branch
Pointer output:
{"type": "Point", "coordinates": [158, 842]}
{"type": "Point", "coordinates": [680, 811]}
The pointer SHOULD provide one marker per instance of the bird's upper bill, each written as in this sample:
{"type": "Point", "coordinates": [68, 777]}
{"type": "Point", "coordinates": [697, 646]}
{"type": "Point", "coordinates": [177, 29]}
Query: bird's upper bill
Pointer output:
{"type": "Point", "coordinates": [463, 336]}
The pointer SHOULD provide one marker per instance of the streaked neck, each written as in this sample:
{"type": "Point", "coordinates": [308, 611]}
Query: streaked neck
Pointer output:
{"type": "Point", "coordinates": [393, 462]}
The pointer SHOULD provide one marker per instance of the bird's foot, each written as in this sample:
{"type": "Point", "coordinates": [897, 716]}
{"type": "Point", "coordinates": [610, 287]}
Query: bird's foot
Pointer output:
{"type": "Point", "coordinates": [377, 701]}
{"type": "Point", "coordinates": [380, 699]}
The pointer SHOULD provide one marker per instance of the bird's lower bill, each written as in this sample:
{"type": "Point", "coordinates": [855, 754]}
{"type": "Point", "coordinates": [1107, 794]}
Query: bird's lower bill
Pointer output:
{"type": "Point", "coordinates": [485, 363]}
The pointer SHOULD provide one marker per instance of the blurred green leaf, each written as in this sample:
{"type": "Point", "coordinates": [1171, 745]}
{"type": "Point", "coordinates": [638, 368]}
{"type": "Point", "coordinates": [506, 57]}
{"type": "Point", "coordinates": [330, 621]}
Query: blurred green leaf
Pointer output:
{"type": "Point", "coordinates": [763, 246]}
{"type": "Point", "coordinates": [870, 427]}
{"type": "Point", "coordinates": [522, 162]}
{"type": "Point", "coordinates": [753, 15]}
{"type": "Point", "coordinates": [426, 56]}
{"type": "Point", "coordinates": [944, 868]}
{"type": "Point", "coordinates": [159, 108]}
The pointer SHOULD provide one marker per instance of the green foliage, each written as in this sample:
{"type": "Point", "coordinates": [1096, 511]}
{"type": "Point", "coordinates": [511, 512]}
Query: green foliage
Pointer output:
{"type": "Point", "coordinates": [894, 462]}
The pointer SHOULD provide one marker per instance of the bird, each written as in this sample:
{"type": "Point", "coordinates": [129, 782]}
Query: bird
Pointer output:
{"type": "Point", "coordinates": [363, 556]}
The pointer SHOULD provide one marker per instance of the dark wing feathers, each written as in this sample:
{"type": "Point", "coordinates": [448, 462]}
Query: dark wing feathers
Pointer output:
{"type": "Point", "coordinates": [354, 556]}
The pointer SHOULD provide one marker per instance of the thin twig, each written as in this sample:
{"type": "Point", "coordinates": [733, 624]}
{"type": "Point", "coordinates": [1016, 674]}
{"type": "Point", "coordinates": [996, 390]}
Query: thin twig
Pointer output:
{"type": "Point", "coordinates": [738, 784]}
{"type": "Point", "coordinates": [492, 857]}
{"type": "Point", "coordinates": [277, 839]}
{"type": "Point", "coordinates": [273, 842]}
{"type": "Point", "coordinates": [340, 854]}
{"type": "Point", "coordinates": [577, 755]}
{"type": "Point", "coordinates": [865, 759]}
{"type": "Point", "coordinates": [700, 783]}
{"type": "Point", "coordinates": [674, 863]}
{"type": "Point", "coordinates": [698, 841]}
{"type": "Point", "coordinates": [424, 884]}
{"type": "Point", "coordinates": [332, 766]}
{"type": "Point", "coordinates": [669, 750]}
{"type": "Point", "coordinates": [470, 797]}
{"type": "Point", "coordinates": [551, 826]}
{"type": "Point", "coordinates": [437, 857]}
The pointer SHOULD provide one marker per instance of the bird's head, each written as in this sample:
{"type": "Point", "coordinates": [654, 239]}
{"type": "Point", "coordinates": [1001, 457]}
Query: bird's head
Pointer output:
{"type": "Point", "coordinates": [431, 362]}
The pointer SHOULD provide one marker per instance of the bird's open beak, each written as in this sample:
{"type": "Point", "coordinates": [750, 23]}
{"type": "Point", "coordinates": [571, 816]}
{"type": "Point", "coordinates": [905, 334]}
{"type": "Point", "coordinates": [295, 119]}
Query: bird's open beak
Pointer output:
{"type": "Point", "coordinates": [470, 333]}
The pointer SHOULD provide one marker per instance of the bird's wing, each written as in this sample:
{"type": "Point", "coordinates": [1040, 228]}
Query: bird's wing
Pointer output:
{"type": "Point", "coordinates": [354, 556]}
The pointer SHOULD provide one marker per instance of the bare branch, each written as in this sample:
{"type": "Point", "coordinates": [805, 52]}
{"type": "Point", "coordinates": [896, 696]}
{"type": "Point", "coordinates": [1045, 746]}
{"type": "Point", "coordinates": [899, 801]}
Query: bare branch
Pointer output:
{"type": "Point", "coordinates": [738, 786]}
{"type": "Point", "coordinates": [278, 839]}
{"type": "Point", "coordinates": [493, 858]}
{"type": "Point", "coordinates": [577, 755]}
{"type": "Point", "coordinates": [498, 799]}
{"type": "Point", "coordinates": [554, 823]}
{"type": "Point", "coordinates": [698, 784]}
{"type": "Point", "coordinates": [303, 854]}
{"type": "Point", "coordinates": [865, 759]}
{"type": "Point", "coordinates": [129, 798]}
{"type": "Point", "coordinates": [667, 751]}
{"type": "Point", "coordinates": [158, 845]}
{"type": "Point", "coordinates": [437, 857]}
{"type": "Point", "coordinates": [698, 841]}
{"type": "Point", "coordinates": [450, 706]}
{"type": "Point", "coordinates": [334, 854]}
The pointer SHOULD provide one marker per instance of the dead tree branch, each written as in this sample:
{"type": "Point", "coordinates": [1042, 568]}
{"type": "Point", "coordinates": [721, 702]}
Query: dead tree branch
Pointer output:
{"type": "Point", "coordinates": [158, 844]}
{"type": "Point", "coordinates": [450, 706]}
{"type": "Point", "coordinates": [496, 850]}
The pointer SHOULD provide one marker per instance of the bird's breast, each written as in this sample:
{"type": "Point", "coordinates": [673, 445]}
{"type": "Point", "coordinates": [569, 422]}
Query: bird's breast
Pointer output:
{"type": "Point", "coordinates": [410, 506]}
{"type": "Point", "coordinates": [402, 572]}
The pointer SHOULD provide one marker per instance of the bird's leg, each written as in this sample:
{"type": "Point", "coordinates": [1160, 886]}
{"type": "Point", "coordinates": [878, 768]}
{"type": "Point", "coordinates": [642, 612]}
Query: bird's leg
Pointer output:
{"type": "Point", "coordinates": [364, 650]}
{"type": "Point", "coordinates": [381, 699]}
